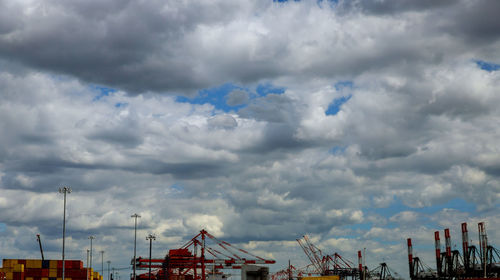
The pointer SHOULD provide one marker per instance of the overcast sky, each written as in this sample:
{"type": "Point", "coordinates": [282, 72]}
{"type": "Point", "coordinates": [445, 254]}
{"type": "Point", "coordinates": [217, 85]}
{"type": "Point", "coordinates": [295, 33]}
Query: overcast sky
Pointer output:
{"type": "Point", "coordinates": [359, 123]}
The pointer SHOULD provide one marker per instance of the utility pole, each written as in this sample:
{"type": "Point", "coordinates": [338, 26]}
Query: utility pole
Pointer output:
{"type": "Point", "coordinates": [135, 216]}
{"type": "Point", "coordinates": [109, 277]}
{"type": "Point", "coordinates": [64, 190]}
{"type": "Point", "coordinates": [91, 238]}
{"type": "Point", "coordinates": [151, 237]}
{"type": "Point", "coordinates": [364, 263]}
{"type": "Point", "coordinates": [88, 251]}
{"type": "Point", "coordinates": [102, 263]}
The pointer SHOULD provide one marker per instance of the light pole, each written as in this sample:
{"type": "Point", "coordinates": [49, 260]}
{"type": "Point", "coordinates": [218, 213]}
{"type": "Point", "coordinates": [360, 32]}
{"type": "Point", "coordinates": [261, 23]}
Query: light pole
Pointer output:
{"type": "Point", "coordinates": [109, 262]}
{"type": "Point", "coordinates": [364, 262]}
{"type": "Point", "coordinates": [135, 216]}
{"type": "Point", "coordinates": [88, 251]}
{"type": "Point", "coordinates": [64, 190]}
{"type": "Point", "coordinates": [91, 238]}
{"type": "Point", "coordinates": [102, 263]}
{"type": "Point", "coordinates": [150, 237]}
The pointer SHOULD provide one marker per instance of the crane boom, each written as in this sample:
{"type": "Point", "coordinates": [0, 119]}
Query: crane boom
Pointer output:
{"type": "Point", "coordinates": [40, 243]}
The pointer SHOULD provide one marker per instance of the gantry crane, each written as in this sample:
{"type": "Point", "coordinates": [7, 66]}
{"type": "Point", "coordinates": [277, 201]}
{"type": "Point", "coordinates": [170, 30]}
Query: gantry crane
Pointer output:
{"type": "Point", "coordinates": [450, 264]}
{"type": "Point", "coordinates": [189, 263]}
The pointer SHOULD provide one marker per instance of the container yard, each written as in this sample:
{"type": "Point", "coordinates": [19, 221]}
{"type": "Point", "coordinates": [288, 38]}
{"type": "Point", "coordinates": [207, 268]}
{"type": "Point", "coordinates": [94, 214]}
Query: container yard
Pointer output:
{"type": "Point", "coordinates": [205, 257]}
{"type": "Point", "coordinates": [36, 269]}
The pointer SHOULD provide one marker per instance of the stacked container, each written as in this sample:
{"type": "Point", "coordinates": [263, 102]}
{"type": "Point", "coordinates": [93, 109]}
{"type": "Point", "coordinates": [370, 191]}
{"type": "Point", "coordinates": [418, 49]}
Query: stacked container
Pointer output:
{"type": "Point", "coordinates": [20, 269]}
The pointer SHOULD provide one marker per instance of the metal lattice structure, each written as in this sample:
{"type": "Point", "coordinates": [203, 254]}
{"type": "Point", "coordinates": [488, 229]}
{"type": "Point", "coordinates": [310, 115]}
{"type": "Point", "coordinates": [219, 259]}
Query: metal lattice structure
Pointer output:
{"type": "Point", "coordinates": [199, 257]}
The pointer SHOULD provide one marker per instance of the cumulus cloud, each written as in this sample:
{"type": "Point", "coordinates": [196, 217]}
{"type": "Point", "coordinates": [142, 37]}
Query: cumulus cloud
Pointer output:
{"type": "Point", "coordinates": [237, 97]}
{"type": "Point", "coordinates": [89, 99]}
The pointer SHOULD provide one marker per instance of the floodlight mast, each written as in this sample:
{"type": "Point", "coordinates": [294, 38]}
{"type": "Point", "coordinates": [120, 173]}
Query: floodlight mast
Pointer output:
{"type": "Point", "coordinates": [150, 237]}
{"type": "Point", "coordinates": [135, 216]}
{"type": "Point", "coordinates": [64, 191]}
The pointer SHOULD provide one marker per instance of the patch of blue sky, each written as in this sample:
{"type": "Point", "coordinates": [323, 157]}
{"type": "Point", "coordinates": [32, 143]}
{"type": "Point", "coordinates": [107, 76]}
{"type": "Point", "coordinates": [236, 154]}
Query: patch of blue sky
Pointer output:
{"type": "Point", "coordinates": [358, 230]}
{"type": "Point", "coordinates": [487, 66]}
{"type": "Point", "coordinates": [398, 206]}
{"type": "Point", "coordinates": [3, 227]}
{"type": "Point", "coordinates": [101, 91]}
{"type": "Point", "coordinates": [337, 103]}
{"type": "Point", "coordinates": [361, 226]}
{"type": "Point", "coordinates": [121, 104]}
{"type": "Point", "coordinates": [268, 88]}
{"type": "Point", "coordinates": [217, 96]}
{"type": "Point", "coordinates": [337, 150]}
{"type": "Point", "coordinates": [177, 188]}
{"type": "Point", "coordinates": [343, 85]}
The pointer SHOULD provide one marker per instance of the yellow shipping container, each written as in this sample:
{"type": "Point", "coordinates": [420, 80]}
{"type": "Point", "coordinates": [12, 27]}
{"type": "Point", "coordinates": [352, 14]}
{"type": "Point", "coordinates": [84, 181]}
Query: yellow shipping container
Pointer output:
{"type": "Point", "coordinates": [52, 264]}
{"type": "Point", "coordinates": [18, 268]}
{"type": "Point", "coordinates": [331, 277]}
{"type": "Point", "coordinates": [9, 275]}
{"type": "Point", "coordinates": [28, 278]}
{"type": "Point", "coordinates": [37, 263]}
{"type": "Point", "coordinates": [33, 263]}
{"type": "Point", "coordinates": [45, 278]}
{"type": "Point", "coordinates": [9, 262]}
{"type": "Point", "coordinates": [52, 272]}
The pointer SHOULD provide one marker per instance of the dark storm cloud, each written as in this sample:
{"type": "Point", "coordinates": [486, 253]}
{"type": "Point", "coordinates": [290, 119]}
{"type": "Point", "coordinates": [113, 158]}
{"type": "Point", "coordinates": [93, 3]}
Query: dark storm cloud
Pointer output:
{"type": "Point", "coordinates": [119, 136]}
{"type": "Point", "coordinates": [125, 44]}
{"type": "Point", "coordinates": [475, 20]}
{"type": "Point", "coordinates": [191, 170]}
{"type": "Point", "coordinates": [274, 108]}
{"type": "Point", "coordinates": [48, 165]}
{"type": "Point", "coordinates": [464, 106]}
{"type": "Point", "coordinates": [180, 48]}
{"type": "Point", "coordinates": [395, 6]}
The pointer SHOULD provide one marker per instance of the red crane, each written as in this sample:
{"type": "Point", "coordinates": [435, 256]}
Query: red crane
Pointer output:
{"type": "Point", "coordinates": [189, 263]}
{"type": "Point", "coordinates": [314, 254]}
